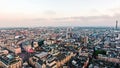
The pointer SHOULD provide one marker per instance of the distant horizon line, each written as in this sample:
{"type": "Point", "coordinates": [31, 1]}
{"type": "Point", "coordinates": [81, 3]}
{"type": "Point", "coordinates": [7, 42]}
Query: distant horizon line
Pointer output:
{"type": "Point", "coordinates": [60, 26]}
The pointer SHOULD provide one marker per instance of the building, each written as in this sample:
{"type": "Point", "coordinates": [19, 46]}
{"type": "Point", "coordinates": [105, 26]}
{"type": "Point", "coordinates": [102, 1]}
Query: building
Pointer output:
{"type": "Point", "coordinates": [42, 55]}
{"type": "Point", "coordinates": [10, 61]}
{"type": "Point", "coordinates": [51, 62]}
{"type": "Point", "coordinates": [116, 27]}
{"type": "Point", "coordinates": [35, 62]}
{"type": "Point", "coordinates": [5, 52]}
{"type": "Point", "coordinates": [62, 59]}
{"type": "Point", "coordinates": [15, 49]}
{"type": "Point", "coordinates": [69, 33]}
{"type": "Point", "coordinates": [35, 44]}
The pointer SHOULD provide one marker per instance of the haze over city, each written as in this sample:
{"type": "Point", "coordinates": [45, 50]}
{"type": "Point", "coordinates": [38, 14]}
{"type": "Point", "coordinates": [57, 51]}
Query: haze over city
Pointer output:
{"type": "Point", "coordinates": [34, 13]}
{"type": "Point", "coordinates": [59, 34]}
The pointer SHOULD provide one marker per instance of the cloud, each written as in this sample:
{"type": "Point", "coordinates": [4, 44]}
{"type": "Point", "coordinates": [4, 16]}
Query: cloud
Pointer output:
{"type": "Point", "coordinates": [103, 20]}
{"type": "Point", "coordinates": [115, 10]}
{"type": "Point", "coordinates": [49, 12]}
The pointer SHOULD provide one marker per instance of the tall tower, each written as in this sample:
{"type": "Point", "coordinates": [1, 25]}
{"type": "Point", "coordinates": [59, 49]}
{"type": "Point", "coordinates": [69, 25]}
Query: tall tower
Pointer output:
{"type": "Point", "coordinates": [116, 25]}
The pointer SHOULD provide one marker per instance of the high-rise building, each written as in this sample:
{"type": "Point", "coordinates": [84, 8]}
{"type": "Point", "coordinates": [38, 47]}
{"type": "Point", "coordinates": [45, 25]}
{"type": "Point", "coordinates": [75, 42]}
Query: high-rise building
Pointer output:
{"type": "Point", "coordinates": [116, 25]}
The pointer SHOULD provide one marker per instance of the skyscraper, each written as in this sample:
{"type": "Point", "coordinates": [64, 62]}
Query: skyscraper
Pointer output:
{"type": "Point", "coordinates": [116, 25]}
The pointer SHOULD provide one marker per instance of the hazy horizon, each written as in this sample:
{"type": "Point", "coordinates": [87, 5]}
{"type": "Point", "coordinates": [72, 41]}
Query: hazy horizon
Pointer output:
{"type": "Point", "coordinates": [35, 13]}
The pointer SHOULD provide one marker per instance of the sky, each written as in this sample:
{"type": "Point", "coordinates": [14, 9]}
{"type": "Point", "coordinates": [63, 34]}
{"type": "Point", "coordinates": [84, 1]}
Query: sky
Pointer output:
{"type": "Point", "coordinates": [34, 13]}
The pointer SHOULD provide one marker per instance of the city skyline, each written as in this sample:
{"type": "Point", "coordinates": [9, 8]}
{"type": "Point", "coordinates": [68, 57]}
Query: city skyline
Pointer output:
{"type": "Point", "coordinates": [34, 13]}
